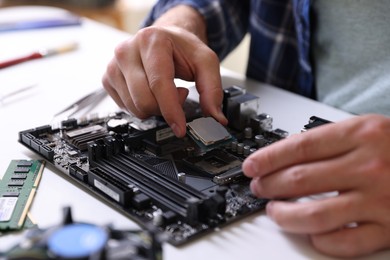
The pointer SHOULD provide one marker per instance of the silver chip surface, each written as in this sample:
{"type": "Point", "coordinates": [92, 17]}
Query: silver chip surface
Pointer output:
{"type": "Point", "coordinates": [208, 130]}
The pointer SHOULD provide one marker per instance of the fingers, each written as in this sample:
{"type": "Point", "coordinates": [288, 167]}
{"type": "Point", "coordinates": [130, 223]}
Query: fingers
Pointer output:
{"type": "Point", "coordinates": [335, 174]}
{"type": "Point", "coordinates": [319, 171]}
{"type": "Point", "coordinates": [321, 143]}
{"type": "Point", "coordinates": [209, 86]}
{"type": "Point", "coordinates": [113, 77]}
{"type": "Point", "coordinates": [195, 61]}
{"type": "Point", "coordinates": [115, 83]}
{"type": "Point", "coordinates": [338, 226]}
{"type": "Point", "coordinates": [349, 157]}
{"type": "Point", "coordinates": [319, 216]}
{"type": "Point", "coordinates": [136, 94]}
{"type": "Point", "coordinates": [141, 76]}
{"type": "Point", "coordinates": [159, 69]}
{"type": "Point", "coordinates": [187, 58]}
{"type": "Point", "coordinates": [352, 242]}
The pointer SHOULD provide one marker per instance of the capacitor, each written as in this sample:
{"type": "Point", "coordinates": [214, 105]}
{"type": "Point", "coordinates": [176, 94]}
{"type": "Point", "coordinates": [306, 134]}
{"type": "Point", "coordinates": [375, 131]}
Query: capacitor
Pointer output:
{"type": "Point", "coordinates": [158, 218]}
{"type": "Point", "coordinates": [260, 141]}
{"type": "Point", "coordinates": [240, 148]}
{"type": "Point", "coordinates": [248, 132]}
{"type": "Point", "coordinates": [222, 190]}
{"type": "Point", "coordinates": [190, 151]}
{"type": "Point", "coordinates": [265, 121]}
{"type": "Point", "coordinates": [228, 145]}
{"type": "Point", "coordinates": [234, 146]}
{"type": "Point", "coordinates": [247, 149]}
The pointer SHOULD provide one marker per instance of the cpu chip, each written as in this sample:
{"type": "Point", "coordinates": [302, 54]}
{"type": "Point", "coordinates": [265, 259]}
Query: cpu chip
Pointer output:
{"type": "Point", "coordinates": [208, 131]}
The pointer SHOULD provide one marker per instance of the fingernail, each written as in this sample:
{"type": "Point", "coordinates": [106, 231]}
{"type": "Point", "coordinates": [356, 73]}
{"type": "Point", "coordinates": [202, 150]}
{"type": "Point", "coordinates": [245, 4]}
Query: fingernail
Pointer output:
{"type": "Point", "coordinates": [176, 130]}
{"type": "Point", "coordinates": [253, 187]}
{"type": "Point", "coordinates": [251, 167]}
{"type": "Point", "coordinates": [221, 116]}
{"type": "Point", "coordinates": [268, 207]}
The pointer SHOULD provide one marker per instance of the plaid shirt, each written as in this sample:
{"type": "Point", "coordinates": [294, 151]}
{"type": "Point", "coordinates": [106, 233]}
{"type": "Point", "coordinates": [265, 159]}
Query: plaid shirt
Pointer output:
{"type": "Point", "coordinates": [280, 36]}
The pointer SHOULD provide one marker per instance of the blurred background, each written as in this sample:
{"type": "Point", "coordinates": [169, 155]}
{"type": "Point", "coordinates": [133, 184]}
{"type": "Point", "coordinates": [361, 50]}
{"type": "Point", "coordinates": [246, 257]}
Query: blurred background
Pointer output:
{"type": "Point", "coordinates": [125, 15]}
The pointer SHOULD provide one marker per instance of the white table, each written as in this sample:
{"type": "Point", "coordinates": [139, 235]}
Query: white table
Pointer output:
{"type": "Point", "coordinates": [64, 78]}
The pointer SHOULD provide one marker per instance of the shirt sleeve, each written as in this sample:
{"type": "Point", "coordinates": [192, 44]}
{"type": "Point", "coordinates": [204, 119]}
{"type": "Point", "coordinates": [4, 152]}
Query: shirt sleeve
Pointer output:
{"type": "Point", "coordinates": [227, 21]}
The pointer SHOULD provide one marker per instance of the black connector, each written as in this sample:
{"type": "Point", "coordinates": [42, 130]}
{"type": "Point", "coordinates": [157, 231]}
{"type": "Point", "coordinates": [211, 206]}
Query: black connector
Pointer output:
{"type": "Point", "coordinates": [315, 121]}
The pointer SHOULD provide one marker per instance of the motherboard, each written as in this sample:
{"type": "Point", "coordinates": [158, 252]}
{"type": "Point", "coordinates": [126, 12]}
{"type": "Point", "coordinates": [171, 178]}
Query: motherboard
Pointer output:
{"type": "Point", "coordinates": [183, 187]}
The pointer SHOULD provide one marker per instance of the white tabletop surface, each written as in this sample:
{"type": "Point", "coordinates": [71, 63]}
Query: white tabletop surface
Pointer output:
{"type": "Point", "coordinates": [61, 79]}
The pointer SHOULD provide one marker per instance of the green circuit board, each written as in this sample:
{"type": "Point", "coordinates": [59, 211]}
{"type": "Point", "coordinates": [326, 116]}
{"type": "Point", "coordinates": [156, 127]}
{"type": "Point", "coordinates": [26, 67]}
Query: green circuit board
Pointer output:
{"type": "Point", "coordinates": [17, 189]}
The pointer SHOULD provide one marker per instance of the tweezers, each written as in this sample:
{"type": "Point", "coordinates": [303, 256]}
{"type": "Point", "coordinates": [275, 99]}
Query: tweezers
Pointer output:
{"type": "Point", "coordinates": [90, 100]}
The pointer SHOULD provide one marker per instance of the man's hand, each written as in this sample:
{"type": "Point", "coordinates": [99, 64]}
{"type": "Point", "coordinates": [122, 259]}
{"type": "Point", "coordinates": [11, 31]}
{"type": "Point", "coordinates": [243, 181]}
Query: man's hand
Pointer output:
{"type": "Point", "coordinates": [140, 76]}
{"type": "Point", "coordinates": [351, 157]}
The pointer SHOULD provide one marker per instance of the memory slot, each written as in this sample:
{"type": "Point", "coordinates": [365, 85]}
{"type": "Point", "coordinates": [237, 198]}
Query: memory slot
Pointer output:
{"type": "Point", "coordinates": [173, 185]}
{"type": "Point", "coordinates": [210, 205]}
{"type": "Point", "coordinates": [178, 197]}
{"type": "Point", "coordinates": [150, 182]}
{"type": "Point", "coordinates": [159, 198]}
{"type": "Point", "coordinates": [81, 142]}
{"type": "Point", "coordinates": [112, 186]}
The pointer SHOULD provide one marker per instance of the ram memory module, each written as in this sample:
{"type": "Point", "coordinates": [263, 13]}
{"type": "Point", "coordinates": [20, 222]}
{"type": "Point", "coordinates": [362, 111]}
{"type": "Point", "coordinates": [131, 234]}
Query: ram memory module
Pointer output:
{"type": "Point", "coordinates": [17, 189]}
